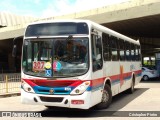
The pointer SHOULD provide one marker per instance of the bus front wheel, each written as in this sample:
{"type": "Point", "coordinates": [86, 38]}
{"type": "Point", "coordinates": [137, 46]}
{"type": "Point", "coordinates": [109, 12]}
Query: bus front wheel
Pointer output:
{"type": "Point", "coordinates": [106, 98]}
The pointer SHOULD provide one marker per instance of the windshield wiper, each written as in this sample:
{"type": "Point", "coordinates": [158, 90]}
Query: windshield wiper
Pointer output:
{"type": "Point", "coordinates": [70, 37]}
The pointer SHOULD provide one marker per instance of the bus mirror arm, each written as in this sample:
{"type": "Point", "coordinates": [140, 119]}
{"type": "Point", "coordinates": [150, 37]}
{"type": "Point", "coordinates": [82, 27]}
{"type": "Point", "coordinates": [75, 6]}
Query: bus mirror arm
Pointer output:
{"type": "Point", "coordinates": [14, 50]}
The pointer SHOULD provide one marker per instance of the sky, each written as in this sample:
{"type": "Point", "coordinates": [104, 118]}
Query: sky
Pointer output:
{"type": "Point", "coordinates": [48, 8]}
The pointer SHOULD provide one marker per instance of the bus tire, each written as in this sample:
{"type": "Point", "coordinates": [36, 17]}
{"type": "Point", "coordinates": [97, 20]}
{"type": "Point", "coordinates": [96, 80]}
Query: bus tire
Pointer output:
{"type": "Point", "coordinates": [131, 89]}
{"type": "Point", "coordinates": [106, 98]}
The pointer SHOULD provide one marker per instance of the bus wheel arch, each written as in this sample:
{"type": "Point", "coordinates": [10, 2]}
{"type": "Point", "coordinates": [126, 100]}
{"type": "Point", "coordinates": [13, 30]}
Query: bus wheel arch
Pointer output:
{"type": "Point", "coordinates": [106, 96]}
{"type": "Point", "coordinates": [132, 89]}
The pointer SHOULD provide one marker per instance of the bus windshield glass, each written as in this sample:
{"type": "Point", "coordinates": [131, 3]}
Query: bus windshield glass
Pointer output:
{"type": "Point", "coordinates": [54, 29]}
{"type": "Point", "coordinates": [56, 57]}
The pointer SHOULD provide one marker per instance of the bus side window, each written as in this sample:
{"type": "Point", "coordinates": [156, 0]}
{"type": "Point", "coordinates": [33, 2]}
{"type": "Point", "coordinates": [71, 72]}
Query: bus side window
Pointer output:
{"type": "Point", "coordinates": [133, 52]}
{"type": "Point", "coordinates": [121, 50]}
{"type": "Point", "coordinates": [136, 53]}
{"type": "Point", "coordinates": [128, 51]}
{"type": "Point", "coordinates": [114, 47]}
{"type": "Point", "coordinates": [96, 53]}
{"type": "Point", "coordinates": [139, 53]}
{"type": "Point", "coordinates": [106, 47]}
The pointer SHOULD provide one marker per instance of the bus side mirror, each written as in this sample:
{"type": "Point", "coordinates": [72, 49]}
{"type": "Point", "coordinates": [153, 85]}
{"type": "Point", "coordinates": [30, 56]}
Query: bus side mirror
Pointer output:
{"type": "Point", "coordinates": [14, 50]}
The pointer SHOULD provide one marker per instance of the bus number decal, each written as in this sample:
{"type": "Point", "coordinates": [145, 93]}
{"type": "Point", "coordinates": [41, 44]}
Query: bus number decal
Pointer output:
{"type": "Point", "coordinates": [38, 65]}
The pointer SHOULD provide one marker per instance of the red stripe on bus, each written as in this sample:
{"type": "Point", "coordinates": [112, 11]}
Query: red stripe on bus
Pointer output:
{"type": "Point", "coordinates": [50, 83]}
{"type": "Point", "coordinates": [74, 83]}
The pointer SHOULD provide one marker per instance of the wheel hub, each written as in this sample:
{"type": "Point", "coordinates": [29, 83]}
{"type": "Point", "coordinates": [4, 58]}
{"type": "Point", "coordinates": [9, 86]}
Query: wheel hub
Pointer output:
{"type": "Point", "coordinates": [105, 96]}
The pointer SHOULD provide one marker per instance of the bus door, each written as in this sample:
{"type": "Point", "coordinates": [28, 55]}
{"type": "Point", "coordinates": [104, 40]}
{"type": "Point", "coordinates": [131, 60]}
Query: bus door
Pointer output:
{"type": "Point", "coordinates": [97, 65]}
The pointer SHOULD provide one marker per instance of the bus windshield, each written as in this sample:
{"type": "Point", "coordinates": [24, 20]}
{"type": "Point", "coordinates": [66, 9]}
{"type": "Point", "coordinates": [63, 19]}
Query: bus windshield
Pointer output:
{"type": "Point", "coordinates": [55, 57]}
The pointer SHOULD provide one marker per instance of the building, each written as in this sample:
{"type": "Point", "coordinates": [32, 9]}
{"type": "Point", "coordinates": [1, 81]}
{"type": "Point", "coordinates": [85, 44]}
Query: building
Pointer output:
{"type": "Point", "coordinates": [10, 21]}
{"type": "Point", "coordinates": [138, 19]}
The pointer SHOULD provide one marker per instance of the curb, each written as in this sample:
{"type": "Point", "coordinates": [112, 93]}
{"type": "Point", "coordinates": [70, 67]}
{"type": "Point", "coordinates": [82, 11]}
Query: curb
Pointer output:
{"type": "Point", "coordinates": [9, 95]}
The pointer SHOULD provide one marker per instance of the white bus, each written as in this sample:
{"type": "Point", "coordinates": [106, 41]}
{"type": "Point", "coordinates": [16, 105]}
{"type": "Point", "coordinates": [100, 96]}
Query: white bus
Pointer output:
{"type": "Point", "coordinates": [77, 64]}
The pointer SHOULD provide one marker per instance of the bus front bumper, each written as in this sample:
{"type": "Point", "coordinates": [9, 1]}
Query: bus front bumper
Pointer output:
{"type": "Point", "coordinates": [70, 101]}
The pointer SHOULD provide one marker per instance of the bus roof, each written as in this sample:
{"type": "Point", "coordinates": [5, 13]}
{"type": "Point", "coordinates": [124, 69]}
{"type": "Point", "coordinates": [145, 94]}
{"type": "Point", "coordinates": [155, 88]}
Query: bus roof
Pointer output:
{"type": "Point", "coordinates": [114, 33]}
{"type": "Point", "coordinates": [94, 25]}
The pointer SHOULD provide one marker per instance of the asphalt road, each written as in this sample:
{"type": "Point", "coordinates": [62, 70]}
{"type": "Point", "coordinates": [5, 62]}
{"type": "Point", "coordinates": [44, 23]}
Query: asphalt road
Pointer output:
{"type": "Point", "coordinates": [145, 101]}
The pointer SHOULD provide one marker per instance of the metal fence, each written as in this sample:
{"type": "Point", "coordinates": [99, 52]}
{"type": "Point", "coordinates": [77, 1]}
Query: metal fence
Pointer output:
{"type": "Point", "coordinates": [10, 83]}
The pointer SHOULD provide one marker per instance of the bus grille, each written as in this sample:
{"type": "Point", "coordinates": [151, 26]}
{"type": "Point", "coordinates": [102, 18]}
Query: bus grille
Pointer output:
{"type": "Point", "coordinates": [51, 99]}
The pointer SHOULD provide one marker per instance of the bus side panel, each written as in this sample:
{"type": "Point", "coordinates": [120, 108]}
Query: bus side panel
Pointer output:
{"type": "Point", "coordinates": [111, 70]}
{"type": "Point", "coordinates": [97, 84]}
{"type": "Point", "coordinates": [125, 75]}
{"type": "Point", "coordinates": [129, 68]}
{"type": "Point", "coordinates": [96, 96]}
{"type": "Point", "coordinates": [137, 72]}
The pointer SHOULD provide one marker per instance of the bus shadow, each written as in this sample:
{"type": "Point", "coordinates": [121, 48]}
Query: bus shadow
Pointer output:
{"type": "Point", "coordinates": [119, 101]}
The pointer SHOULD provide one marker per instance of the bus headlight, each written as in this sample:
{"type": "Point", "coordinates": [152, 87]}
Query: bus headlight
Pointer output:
{"type": "Point", "coordinates": [81, 88]}
{"type": "Point", "coordinates": [27, 87]}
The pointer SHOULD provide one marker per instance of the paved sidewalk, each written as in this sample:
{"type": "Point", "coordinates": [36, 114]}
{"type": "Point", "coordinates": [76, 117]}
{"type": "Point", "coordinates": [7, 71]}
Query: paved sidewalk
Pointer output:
{"type": "Point", "coordinates": [10, 94]}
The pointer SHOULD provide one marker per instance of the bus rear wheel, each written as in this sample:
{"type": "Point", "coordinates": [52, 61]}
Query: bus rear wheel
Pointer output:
{"type": "Point", "coordinates": [106, 98]}
{"type": "Point", "coordinates": [131, 89]}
